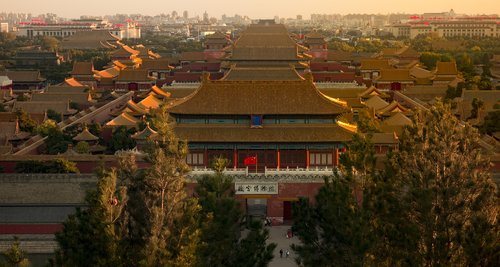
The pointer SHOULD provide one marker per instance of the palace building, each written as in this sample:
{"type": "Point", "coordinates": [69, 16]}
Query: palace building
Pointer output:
{"type": "Point", "coordinates": [280, 133]}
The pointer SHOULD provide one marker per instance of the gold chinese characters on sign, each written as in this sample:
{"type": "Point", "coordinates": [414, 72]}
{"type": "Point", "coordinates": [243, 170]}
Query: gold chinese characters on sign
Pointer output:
{"type": "Point", "coordinates": [256, 188]}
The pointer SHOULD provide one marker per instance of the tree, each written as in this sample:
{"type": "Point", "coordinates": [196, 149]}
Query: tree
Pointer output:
{"type": "Point", "coordinates": [26, 123]}
{"type": "Point", "coordinates": [15, 256]}
{"type": "Point", "coordinates": [491, 123]}
{"type": "Point", "coordinates": [159, 225]}
{"type": "Point", "coordinates": [121, 139]}
{"type": "Point", "coordinates": [46, 127]}
{"type": "Point", "coordinates": [451, 200]}
{"type": "Point", "coordinates": [477, 105]}
{"type": "Point", "coordinates": [331, 230]}
{"type": "Point", "coordinates": [452, 93]}
{"type": "Point", "coordinates": [166, 199]}
{"type": "Point", "coordinates": [82, 147]}
{"type": "Point", "coordinates": [57, 142]}
{"type": "Point", "coordinates": [429, 59]}
{"type": "Point", "coordinates": [22, 97]}
{"type": "Point", "coordinates": [89, 237]}
{"type": "Point", "coordinates": [335, 226]}
{"type": "Point", "coordinates": [367, 123]}
{"type": "Point", "coordinates": [50, 43]}
{"type": "Point", "coordinates": [52, 166]}
{"type": "Point", "coordinates": [221, 219]}
{"type": "Point", "coordinates": [253, 250]}
{"type": "Point", "coordinates": [54, 115]}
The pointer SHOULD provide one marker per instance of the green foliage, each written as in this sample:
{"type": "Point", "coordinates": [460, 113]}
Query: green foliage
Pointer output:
{"type": "Point", "coordinates": [448, 189]}
{"type": "Point", "coordinates": [57, 142]}
{"type": "Point", "coordinates": [51, 166]}
{"type": "Point", "coordinates": [82, 147]}
{"type": "Point", "coordinates": [219, 163]}
{"type": "Point", "coordinates": [74, 105]}
{"type": "Point", "coordinates": [452, 93]}
{"type": "Point", "coordinates": [422, 43]}
{"type": "Point", "coordinates": [22, 97]}
{"type": "Point", "coordinates": [429, 59]}
{"type": "Point", "coordinates": [434, 203]}
{"type": "Point", "coordinates": [15, 256]}
{"type": "Point", "coordinates": [88, 237]}
{"type": "Point", "coordinates": [25, 122]}
{"type": "Point", "coordinates": [56, 73]}
{"type": "Point", "coordinates": [10, 43]}
{"type": "Point", "coordinates": [121, 139]}
{"type": "Point", "coordinates": [465, 63]}
{"type": "Point", "coordinates": [359, 160]}
{"type": "Point", "coordinates": [477, 105]}
{"type": "Point", "coordinates": [2, 108]}
{"type": "Point", "coordinates": [253, 251]}
{"type": "Point", "coordinates": [340, 46]}
{"type": "Point", "coordinates": [53, 115]}
{"type": "Point", "coordinates": [100, 58]}
{"type": "Point", "coordinates": [363, 45]}
{"type": "Point", "coordinates": [332, 232]}
{"type": "Point", "coordinates": [491, 123]}
{"type": "Point", "coordinates": [46, 127]}
{"type": "Point", "coordinates": [367, 123]}
{"type": "Point", "coordinates": [50, 43]}
{"type": "Point", "coordinates": [142, 217]}
{"type": "Point", "coordinates": [220, 225]}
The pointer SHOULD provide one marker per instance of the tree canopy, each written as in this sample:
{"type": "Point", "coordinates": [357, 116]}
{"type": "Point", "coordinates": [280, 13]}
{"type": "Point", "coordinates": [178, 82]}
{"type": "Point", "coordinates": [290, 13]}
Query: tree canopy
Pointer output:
{"type": "Point", "coordinates": [433, 204]}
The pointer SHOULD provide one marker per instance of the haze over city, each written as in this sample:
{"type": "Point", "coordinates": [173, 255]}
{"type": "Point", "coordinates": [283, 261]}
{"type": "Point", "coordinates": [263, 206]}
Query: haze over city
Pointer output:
{"type": "Point", "coordinates": [254, 9]}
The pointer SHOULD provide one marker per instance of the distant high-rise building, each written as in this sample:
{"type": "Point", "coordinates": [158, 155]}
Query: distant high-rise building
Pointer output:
{"type": "Point", "coordinates": [4, 27]}
{"type": "Point", "coordinates": [299, 17]}
{"type": "Point", "coordinates": [205, 17]}
{"type": "Point", "coordinates": [174, 15]}
{"type": "Point", "coordinates": [185, 14]}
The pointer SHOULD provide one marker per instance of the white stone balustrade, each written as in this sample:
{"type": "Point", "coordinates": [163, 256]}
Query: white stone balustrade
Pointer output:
{"type": "Point", "coordinates": [315, 171]}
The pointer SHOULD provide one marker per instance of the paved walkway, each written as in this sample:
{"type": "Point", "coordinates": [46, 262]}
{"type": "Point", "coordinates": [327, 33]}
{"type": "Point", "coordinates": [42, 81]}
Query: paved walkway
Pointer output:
{"type": "Point", "coordinates": [277, 234]}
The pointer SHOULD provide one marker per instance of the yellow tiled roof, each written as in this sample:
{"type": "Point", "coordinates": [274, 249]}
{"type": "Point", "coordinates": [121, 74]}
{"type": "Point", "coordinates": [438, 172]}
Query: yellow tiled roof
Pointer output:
{"type": "Point", "coordinates": [123, 120]}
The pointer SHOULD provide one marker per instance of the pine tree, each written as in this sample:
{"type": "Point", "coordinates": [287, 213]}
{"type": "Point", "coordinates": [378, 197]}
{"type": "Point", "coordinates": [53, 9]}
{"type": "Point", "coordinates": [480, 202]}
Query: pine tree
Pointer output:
{"type": "Point", "coordinates": [221, 220]}
{"type": "Point", "coordinates": [221, 226]}
{"type": "Point", "coordinates": [137, 217]}
{"type": "Point", "coordinates": [253, 250]}
{"type": "Point", "coordinates": [159, 223]}
{"type": "Point", "coordinates": [15, 256]}
{"type": "Point", "coordinates": [451, 200]}
{"type": "Point", "coordinates": [331, 230]}
{"type": "Point", "coordinates": [88, 237]}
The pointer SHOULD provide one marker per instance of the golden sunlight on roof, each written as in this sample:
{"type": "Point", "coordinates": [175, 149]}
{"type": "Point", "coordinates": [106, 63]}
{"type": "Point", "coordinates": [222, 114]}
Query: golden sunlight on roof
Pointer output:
{"type": "Point", "coordinates": [350, 127]}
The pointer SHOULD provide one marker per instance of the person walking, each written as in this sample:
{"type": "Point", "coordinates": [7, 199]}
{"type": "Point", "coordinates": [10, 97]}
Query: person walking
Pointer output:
{"type": "Point", "coordinates": [287, 253]}
{"type": "Point", "coordinates": [281, 253]}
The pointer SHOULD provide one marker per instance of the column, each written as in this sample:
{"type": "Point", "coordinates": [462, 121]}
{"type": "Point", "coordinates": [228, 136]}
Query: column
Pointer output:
{"type": "Point", "coordinates": [278, 158]}
{"type": "Point", "coordinates": [336, 157]}
{"type": "Point", "coordinates": [307, 158]}
{"type": "Point", "coordinates": [235, 158]}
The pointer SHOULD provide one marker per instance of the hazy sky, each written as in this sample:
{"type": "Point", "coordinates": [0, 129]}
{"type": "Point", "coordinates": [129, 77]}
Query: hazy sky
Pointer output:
{"type": "Point", "coordinates": [252, 8]}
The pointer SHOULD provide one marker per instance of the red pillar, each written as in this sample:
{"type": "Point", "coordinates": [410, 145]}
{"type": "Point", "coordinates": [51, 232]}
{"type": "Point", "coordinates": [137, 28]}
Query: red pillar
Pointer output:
{"type": "Point", "coordinates": [307, 158]}
{"type": "Point", "coordinates": [235, 158]}
{"type": "Point", "coordinates": [278, 158]}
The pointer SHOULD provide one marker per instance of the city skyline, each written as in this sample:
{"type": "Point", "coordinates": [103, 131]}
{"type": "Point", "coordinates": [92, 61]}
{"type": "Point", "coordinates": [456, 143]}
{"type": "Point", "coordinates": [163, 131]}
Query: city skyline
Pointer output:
{"type": "Point", "coordinates": [253, 10]}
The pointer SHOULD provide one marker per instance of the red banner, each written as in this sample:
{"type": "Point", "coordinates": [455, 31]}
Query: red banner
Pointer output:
{"type": "Point", "coordinates": [250, 161]}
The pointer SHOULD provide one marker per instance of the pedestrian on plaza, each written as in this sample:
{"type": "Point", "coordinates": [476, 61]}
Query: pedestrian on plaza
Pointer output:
{"type": "Point", "coordinates": [281, 253]}
{"type": "Point", "coordinates": [287, 253]}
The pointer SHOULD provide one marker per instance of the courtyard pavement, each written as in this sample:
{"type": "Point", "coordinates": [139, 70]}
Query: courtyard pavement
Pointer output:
{"type": "Point", "coordinates": [277, 234]}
